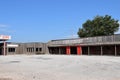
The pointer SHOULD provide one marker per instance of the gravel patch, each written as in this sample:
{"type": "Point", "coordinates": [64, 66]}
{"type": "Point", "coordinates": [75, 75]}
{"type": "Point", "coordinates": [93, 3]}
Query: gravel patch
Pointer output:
{"type": "Point", "coordinates": [59, 67]}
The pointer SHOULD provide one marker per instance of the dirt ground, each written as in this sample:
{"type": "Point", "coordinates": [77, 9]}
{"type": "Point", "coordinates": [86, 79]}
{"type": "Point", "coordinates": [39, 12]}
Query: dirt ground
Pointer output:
{"type": "Point", "coordinates": [59, 67]}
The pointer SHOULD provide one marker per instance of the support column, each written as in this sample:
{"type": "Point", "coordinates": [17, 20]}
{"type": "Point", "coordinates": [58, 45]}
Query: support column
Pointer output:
{"type": "Point", "coordinates": [68, 50]}
{"type": "Point", "coordinates": [79, 50]}
{"type": "Point", "coordinates": [88, 50]}
{"type": "Point", "coordinates": [34, 49]}
{"type": "Point", "coordinates": [59, 50]}
{"type": "Point", "coordinates": [115, 51]}
{"type": "Point", "coordinates": [101, 50]}
{"type": "Point", "coordinates": [4, 48]}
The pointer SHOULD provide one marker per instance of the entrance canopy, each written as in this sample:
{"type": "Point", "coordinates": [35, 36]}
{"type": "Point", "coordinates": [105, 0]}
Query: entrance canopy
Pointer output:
{"type": "Point", "coordinates": [4, 38]}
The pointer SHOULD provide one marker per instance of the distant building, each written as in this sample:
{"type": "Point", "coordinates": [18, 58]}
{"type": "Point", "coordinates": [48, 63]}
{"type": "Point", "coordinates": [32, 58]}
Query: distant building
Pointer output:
{"type": "Point", "coordinates": [101, 45]}
{"type": "Point", "coordinates": [24, 48]}
{"type": "Point", "coordinates": [3, 38]}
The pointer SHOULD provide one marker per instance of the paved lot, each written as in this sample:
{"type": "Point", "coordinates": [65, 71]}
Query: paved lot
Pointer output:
{"type": "Point", "coordinates": [59, 67]}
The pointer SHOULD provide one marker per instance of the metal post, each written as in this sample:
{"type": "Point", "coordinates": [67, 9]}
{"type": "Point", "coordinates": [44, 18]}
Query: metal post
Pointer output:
{"type": "Point", "coordinates": [81, 51]}
{"type": "Point", "coordinates": [88, 50]}
{"type": "Point", "coordinates": [101, 50]}
{"type": "Point", "coordinates": [59, 50]}
{"type": "Point", "coordinates": [33, 48]}
{"type": "Point", "coordinates": [115, 51]}
{"type": "Point", "coordinates": [4, 48]}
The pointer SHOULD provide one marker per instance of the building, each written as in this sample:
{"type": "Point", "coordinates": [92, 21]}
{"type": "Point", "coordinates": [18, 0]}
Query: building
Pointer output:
{"type": "Point", "coordinates": [26, 48]}
{"type": "Point", "coordinates": [101, 45]}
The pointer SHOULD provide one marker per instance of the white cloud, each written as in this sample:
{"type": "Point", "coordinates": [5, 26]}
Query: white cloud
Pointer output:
{"type": "Point", "coordinates": [5, 29]}
{"type": "Point", "coordinates": [3, 26]}
{"type": "Point", "coordinates": [72, 36]}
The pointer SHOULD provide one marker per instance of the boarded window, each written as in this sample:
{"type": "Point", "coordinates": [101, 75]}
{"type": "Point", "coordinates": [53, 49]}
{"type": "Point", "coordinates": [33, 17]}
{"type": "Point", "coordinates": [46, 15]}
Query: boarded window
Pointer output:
{"type": "Point", "coordinates": [11, 49]}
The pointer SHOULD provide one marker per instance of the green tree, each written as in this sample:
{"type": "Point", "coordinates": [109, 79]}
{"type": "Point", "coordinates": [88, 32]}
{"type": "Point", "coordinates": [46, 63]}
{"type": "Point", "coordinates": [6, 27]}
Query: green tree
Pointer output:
{"type": "Point", "coordinates": [99, 26]}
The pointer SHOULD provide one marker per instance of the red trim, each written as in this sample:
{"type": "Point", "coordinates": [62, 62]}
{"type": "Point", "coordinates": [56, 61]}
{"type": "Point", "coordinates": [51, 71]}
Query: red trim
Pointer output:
{"type": "Point", "coordinates": [79, 50]}
{"type": "Point", "coordinates": [68, 50]}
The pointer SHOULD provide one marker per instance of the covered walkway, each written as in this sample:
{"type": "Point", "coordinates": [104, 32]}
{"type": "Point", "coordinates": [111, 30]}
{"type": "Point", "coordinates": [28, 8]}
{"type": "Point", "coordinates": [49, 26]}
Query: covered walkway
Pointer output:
{"type": "Point", "coordinates": [101, 50]}
{"type": "Point", "coordinates": [68, 50]}
{"type": "Point", "coordinates": [113, 50]}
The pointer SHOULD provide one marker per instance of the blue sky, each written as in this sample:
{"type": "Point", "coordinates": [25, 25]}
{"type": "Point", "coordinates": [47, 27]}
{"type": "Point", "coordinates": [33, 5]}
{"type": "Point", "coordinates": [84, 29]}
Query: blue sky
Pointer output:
{"type": "Point", "coordinates": [44, 20]}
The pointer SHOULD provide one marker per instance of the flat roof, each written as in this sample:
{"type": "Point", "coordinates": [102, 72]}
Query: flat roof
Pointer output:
{"type": "Point", "coordinates": [82, 38]}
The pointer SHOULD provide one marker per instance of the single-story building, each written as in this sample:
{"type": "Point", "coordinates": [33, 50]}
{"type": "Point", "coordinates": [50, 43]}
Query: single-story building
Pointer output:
{"type": "Point", "coordinates": [100, 45]}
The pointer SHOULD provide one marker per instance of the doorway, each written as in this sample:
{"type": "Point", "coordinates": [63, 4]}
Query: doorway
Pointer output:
{"type": "Point", "coordinates": [74, 50]}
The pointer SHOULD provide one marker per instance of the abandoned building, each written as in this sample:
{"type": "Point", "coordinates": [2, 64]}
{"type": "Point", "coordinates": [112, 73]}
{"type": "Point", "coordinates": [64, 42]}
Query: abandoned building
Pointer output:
{"type": "Point", "coordinates": [24, 48]}
{"type": "Point", "coordinates": [101, 45]}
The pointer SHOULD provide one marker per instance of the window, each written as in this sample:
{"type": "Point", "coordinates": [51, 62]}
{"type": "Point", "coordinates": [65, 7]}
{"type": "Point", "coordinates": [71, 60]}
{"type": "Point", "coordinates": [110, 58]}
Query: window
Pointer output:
{"type": "Point", "coordinates": [11, 49]}
{"type": "Point", "coordinates": [31, 49]}
{"type": "Point", "coordinates": [38, 49]}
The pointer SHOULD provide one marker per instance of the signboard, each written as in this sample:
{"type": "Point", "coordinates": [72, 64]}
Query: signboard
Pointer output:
{"type": "Point", "coordinates": [12, 45]}
{"type": "Point", "coordinates": [5, 37]}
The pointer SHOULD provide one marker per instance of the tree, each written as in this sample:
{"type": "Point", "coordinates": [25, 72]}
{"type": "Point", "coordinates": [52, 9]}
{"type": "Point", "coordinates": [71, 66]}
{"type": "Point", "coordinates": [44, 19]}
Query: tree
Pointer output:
{"type": "Point", "coordinates": [99, 26]}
